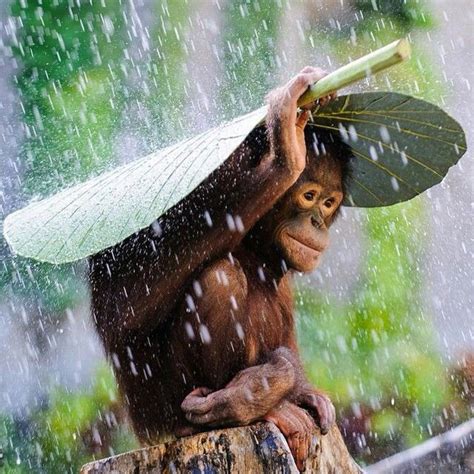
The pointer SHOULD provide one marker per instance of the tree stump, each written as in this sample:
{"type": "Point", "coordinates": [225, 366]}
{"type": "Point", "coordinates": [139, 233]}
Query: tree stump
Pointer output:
{"type": "Point", "coordinates": [259, 448]}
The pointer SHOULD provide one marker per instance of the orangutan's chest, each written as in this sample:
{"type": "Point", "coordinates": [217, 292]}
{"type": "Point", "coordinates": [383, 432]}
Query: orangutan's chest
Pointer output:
{"type": "Point", "coordinates": [269, 318]}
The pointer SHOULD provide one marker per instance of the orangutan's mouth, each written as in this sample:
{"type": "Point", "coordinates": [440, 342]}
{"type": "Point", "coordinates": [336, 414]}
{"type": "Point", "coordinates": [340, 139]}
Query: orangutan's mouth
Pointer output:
{"type": "Point", "coordinates": [312, 247]}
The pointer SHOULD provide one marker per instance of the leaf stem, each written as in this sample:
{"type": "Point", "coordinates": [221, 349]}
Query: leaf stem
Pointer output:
{"type": "Point", "coordinates": [383, 58]}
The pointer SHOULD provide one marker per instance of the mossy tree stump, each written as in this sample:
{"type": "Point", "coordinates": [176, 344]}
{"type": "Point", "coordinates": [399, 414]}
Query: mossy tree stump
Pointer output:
{"type": "Point", "coordinates": [260, 448]}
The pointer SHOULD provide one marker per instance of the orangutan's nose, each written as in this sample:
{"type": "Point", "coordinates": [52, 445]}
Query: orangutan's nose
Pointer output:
{"type": "Point", "coordinates": [316, 220]}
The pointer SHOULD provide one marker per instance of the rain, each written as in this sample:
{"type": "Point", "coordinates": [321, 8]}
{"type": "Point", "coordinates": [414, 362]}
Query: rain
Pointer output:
{"type": "Point", "coordinates": [385, 324]}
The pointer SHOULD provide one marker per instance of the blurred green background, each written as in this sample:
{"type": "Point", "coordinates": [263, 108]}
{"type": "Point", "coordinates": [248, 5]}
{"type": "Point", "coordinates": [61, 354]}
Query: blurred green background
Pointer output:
{"type": "Point", "coordinates": [95, 84]}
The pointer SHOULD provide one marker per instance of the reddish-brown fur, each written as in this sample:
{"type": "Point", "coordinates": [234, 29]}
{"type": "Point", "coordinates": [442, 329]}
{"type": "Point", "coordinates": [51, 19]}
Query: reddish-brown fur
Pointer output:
{"type": "Point", "coordinates": [197, 316]}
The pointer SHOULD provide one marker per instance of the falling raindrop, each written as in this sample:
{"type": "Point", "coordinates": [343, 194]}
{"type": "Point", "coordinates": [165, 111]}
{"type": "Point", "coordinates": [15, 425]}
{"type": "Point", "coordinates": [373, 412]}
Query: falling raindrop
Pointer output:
{"type": "Point", "coordinates": [204, 334]}
{"type": "Point", "coordinates": [373, 153]}
{"type": "Point", "coordinates": [394, 183]}
{"type": "Point", "coordinates": [384, 134]}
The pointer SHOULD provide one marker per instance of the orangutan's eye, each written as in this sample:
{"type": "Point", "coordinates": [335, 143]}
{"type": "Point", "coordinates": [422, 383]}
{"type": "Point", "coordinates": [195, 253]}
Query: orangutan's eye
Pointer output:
{"type": "Point", "coordinates": [309, 196]}
{"type": "Point", "coordinates": [329, 203]}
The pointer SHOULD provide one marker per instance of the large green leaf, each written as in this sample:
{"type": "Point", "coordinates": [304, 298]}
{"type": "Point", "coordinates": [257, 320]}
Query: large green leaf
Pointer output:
{"type": "Point", "coordinates": [401, 146]}
{"type": "Point", "coordinates": [103, 211]}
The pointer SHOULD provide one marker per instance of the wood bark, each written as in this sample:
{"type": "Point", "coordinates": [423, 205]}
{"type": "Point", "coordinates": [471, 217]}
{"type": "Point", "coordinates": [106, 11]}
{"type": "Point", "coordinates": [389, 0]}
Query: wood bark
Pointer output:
{"type": "Point", "coordinates": [259, 448]}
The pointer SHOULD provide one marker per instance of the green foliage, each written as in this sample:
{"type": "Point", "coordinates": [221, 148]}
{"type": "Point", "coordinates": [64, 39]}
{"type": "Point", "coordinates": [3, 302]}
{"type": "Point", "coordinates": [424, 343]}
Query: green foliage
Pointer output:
{"type": "Point", "coordinates": [72, 429]}
{"type": "Point", "coordinates": [405, 14]}
{"type": "Point", "coordinates": [70, 54]}
{"type": "Point", "coordinates": [71, 87]}
{"type": "Point", "coordinates": [249, 59]}
{"type": "Point", "coordinates": [46, 288]}
{"type": "Point", "coordinates": [163, 88]}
